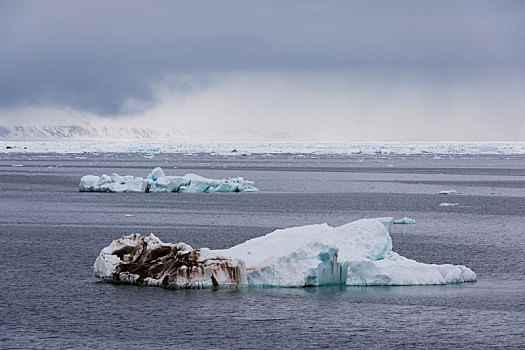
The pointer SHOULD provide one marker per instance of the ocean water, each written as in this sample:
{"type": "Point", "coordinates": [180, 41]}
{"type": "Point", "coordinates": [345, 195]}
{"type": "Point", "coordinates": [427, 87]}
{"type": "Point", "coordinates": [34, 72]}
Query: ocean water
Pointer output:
{"type": "Point", "coordinates": [50, 235]}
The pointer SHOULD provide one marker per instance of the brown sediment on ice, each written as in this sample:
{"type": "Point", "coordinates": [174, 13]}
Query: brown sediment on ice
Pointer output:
{"type": "Point", "coordinates": [142, 262]}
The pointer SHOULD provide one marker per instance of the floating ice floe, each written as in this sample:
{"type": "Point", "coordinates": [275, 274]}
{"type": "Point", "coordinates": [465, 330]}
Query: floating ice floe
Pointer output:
{"type": "Point", "coordinates": [157, 181]}
{"type": "Point", "coordinates": [356, 254]}
{"type": "Point", "coordinates": [405, 220]}
{"type": "Point", "coordinates": [448, 192]}
{"type": "Point", "coordinates": [448, 204]}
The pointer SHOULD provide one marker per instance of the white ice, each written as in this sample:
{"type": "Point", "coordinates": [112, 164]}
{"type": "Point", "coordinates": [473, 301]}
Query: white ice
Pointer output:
{"type": "Point", "coordinates": [357, 254]}
{"type": "Point", "coordinates": [157, 181]}
{"type": "Point", "coordinates": [448, 204]}
{"type": "Point", "coordinates": [225, 148]}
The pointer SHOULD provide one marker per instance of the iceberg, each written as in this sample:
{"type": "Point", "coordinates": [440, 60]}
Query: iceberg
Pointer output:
{"type": "Point", "coordinates": [355, 254]}
{"type": "Point", "coordinates": [157, 181]}
{"type": "Point", "coordinates": [404, 221]}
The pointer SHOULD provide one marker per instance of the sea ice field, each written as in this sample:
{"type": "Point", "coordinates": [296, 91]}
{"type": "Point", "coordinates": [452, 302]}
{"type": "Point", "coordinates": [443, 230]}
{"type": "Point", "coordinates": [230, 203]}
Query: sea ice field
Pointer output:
{"type": "Point", "coordinates": [51, 235]}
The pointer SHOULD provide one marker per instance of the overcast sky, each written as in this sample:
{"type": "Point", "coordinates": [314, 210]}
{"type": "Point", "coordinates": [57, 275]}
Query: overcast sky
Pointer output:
{"type": "Point", "coordinates": [321, 70]}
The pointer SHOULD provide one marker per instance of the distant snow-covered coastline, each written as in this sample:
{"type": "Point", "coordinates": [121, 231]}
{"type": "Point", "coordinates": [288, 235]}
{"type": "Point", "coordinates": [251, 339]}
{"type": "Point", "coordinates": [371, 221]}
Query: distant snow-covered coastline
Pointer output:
{"type": "Point", "coordinates": [240, 148]}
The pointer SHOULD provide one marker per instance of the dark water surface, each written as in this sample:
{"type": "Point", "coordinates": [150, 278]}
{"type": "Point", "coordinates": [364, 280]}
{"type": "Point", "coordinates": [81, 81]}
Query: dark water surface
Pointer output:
{"type": "Point", "coordinates": [50, 235]}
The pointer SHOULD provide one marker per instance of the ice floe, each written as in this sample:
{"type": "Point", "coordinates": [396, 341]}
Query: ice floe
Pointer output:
{"type": "Point", "coordinates": [157, 181]}
{"type": "Point", "coordinates": [357, 254]}
{"type": "Point", "coordinates": [448, 204]}
{"type": "Point", "coordinates": [404, 221]}
{"type": "Point", "coordinates": [448, 192]}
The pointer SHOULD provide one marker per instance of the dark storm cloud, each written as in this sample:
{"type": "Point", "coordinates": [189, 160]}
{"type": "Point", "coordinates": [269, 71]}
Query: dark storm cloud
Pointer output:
{"type": "Point", "coordinates": [95, 55]}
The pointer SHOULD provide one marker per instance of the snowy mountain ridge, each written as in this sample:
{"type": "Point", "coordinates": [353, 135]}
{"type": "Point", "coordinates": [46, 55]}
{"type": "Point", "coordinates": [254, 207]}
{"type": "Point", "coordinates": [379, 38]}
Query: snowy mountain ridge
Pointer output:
{"type": "Point", "coordinates": [81, 133]}
{"type": "Point", "coordinates": [75, 132]}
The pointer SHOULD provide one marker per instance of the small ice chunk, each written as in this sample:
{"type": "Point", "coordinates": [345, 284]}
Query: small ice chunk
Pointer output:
{"type": "Point", "coordinates": [448, 192]}
{"type": "Point", "coordinates": [156, 174]}
{"type": "Point", "coordinates": [405, 221]}
{"type": "Point", "coordinates": [117, 178]}
{"type": "Point", "coordinates": [448, 204]}
{"type": "Point", "coordinates": [199, 184]}
{"type": "Point", "coordinates": [89, 183]}
{"type": "Point", "coordinates": [105, 179]}
{"type": "Point", "coordinates": [137, 184]}
{"type": "Point", "coordinates": [168, 184]}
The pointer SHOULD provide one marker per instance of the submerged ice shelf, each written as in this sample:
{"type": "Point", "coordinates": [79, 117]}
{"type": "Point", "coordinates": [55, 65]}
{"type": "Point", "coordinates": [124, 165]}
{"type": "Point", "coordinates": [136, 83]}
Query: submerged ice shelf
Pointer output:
{"type": "Point", "coordinates": [356, 254]}
{"type": "Point", "coordinates": [157, 181]}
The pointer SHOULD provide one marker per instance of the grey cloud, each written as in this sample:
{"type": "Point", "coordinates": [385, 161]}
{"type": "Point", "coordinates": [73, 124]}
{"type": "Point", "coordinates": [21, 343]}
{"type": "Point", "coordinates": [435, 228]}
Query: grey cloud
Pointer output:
{"type": "Point", "coordinates": [95, 55]}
